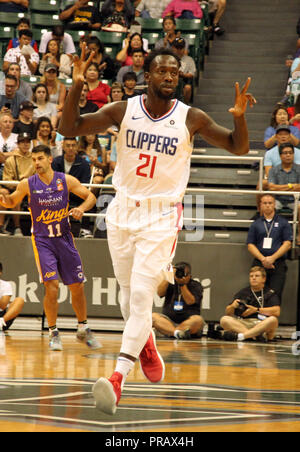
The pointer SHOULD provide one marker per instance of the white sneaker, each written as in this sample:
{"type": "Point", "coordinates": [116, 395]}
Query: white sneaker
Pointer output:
{"type": "Point", "coordinates": [55, 342]}
{"type": "Point", "coordinates": [18, 232]}
{"type": "Point", "coordinates": [85, 234]}
{"type": "Point", "coordinates": [2, 324]}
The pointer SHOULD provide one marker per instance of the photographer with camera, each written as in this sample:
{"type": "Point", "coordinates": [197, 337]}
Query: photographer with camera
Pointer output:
{"type": "Point", "coordinates": [254, 311]}
{"type": "Point", "coordinates": [181, 310]}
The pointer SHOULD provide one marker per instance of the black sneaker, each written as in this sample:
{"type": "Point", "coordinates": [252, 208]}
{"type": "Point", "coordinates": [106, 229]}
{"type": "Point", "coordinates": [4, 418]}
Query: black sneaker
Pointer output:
{"type": "Point", "coordinates": [218, 30]}
{"type": "Point", "coordinates": [3, 231]}
{"type": "Point", "coordinates": [263, 338]}
{"type": "Point", "coordinates": [230, 336]}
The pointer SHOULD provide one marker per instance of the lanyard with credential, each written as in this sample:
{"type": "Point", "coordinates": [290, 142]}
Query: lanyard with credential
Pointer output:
{"type": "Point", "coordinates": [268, 231]}
{"type": "Point", "coordinates": [261, 304]}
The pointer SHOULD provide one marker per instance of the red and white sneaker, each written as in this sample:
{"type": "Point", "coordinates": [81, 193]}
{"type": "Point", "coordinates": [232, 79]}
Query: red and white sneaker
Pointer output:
{"type": "Point", "coordinates": [151, 362]}
{"type": "Point", "coordinates": [107, 393]}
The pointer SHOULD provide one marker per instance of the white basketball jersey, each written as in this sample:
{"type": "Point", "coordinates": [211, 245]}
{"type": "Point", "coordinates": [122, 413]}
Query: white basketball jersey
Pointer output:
{"type": "Point", "coordinates": [153, 155]}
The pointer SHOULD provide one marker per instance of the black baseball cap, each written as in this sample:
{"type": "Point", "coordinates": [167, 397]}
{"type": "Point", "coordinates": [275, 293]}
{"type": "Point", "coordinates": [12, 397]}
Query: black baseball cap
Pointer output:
{"type": "Point", "coordinates": [24, 136]}
{"type": "Point", "coordinates": [27, 105]}
{"type": "Point", "coordinates": [283, 127]}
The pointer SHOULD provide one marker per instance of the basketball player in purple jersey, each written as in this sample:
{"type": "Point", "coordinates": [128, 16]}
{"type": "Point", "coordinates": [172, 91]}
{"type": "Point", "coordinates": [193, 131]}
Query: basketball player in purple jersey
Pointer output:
{"type": "Point", "coordinates": [154, 147]}
{"type": "Point", "coordinates": [53, 244]}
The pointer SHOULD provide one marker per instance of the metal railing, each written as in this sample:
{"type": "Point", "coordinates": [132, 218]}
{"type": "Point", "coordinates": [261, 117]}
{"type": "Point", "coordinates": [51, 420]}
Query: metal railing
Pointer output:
{"type": "Point", "coordinates": [194, 190]}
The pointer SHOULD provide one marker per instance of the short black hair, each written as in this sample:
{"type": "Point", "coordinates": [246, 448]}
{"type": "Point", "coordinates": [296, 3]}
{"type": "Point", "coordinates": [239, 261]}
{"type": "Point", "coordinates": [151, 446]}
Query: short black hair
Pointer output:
{"type": "Point", "coordinates": [184, 264]}
{"type": "Point", "coordinates": [129, 76]}
{"type": "Point", "coordinates": [58, 30]}
{"type": "Point", "coordinates": [170, 18]}
{"type": "Point", "coordinates": [286, 145]}
{"type": "Point", "coordinates": [69, 138]}
{"type": "Point", "coordinates": [23, 20]}
{"type": "Point", "coordinates": [158, 52]}
{"type": "Point", "coordinates": [26, 33]}
{"type": "Point", "coordinates": [12, 77]}
{"type": "Point", "coordinates": [41, 148]}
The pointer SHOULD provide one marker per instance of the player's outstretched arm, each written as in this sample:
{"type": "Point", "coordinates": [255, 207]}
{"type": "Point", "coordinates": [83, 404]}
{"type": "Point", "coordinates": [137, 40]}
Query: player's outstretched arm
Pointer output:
{"type": "Point", "coordinates": [82, 192]}
{"type": "Point", "coordinates": [10, 201]}
{"type": "Point", "coordinates": [71, 123]}
{"type": "Point", "coordinates": [235, 141]}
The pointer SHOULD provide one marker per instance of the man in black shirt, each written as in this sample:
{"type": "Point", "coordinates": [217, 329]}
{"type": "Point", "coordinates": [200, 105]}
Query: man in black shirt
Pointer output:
{"type": "Point", "coordinates": [86, 106]}
{"type": "Point", "coordinates": [25, 122]}
{"type": "Point", "coordinates": [181, 310]}
{"type": "Point", "coordinates": [254, 311]}
{"type": "Point", "coordinates": [81, 16]}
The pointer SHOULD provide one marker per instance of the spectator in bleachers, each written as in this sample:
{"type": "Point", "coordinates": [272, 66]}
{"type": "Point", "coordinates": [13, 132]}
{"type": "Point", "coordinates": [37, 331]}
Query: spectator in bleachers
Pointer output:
{"type": "Point", "coordinates": [8, 139]}
{"type": "Point", "coordinates": [8, 143]}
{"type": "Point", "coordinates": [56, 89]}
{"type": "Point", "coordinates": [81, 15]}
{"type": "Point", "coordinates": [71, 163]}
{"type": "Point", "coordinates": [216, 11]}
{"type": "Point", "coordinates": [269, 239]}
{"type": "Point", "coordinates": [23, 24]}
{"type": "Point", "coordinates": [24, 54]}
{"type": "Point", "coordinates": [14, 6]}
{"type": "Point", "coordinates": [25, 120]}
{"type": "Point", "coordinates": [44, 107]}
{"type": "Point", "coordinates": [18, 167]}
{"type": "Point", "coordinates": [62, 61]}
{"type": "Point", "coordinates": [86, 106]}
{"type": "Point", "coordinates": [294, 114]}
{"type": "Point", "coordinates": [183, 9]}
{"type": "Point", "coordinates": [10, 101]}
{"type": "Point", "coordinates": [117, 92]}
{"type": "Point", "coordinates": [90, 149]}
{"type": "Point", "coordinates": [117, 15]}
{"type": "Point", "coordinates": [45, 134]}
{"type": "Point", "coordinates": [65, 39]}
{"type": "Point", "coordinates": [151, 8]}
{"type": "Point", "coordinates": [23, 87]}
{"type": "Point", "coordinates": [169, 26]}
{"type": "Point", "coordinates": [106, 65]}
{"type": "Point", "coordinates": [280, 117]}
{"type": "Point", "coordinates": [138, 58]}
{"type": "Point", "coordinates": [129, 83]}
{"type": "Point", "coordinates": [272, 157]}
{"type": "Point", "coordinates": [187, 70]}
{"type": "Point", "coordinates": [130, 44]}
{"type": "Point", "coordinates": [98, 91]}
{"type": "Point", "coordinates": [285, 177]}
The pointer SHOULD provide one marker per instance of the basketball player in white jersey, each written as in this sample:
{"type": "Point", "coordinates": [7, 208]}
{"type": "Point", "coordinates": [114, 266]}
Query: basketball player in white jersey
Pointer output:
{"type": "Point", "coordinates": [154, 148]}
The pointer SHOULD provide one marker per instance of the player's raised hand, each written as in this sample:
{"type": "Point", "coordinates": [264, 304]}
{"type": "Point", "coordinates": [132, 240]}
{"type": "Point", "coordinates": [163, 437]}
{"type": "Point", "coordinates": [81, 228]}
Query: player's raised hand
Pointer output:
{"type": "Point", "coordinates": [241, 99]}
{"type": "Point", "coordinates": [80, 64]}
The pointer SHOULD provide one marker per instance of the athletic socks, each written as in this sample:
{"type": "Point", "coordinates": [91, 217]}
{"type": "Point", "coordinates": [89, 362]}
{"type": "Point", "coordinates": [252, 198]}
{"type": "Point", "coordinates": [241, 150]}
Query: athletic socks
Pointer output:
{"type": "Point", "coordinates": [124, 366]}
{"type": "Point", "coordinates": [240, 337]}
{"type": "Point", "coordinates": [82, 325]}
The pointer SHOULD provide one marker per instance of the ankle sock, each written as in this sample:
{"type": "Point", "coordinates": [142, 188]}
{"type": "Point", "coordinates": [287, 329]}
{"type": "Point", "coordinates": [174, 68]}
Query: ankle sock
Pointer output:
{"type": "Point", "coordinates": [124, 366]}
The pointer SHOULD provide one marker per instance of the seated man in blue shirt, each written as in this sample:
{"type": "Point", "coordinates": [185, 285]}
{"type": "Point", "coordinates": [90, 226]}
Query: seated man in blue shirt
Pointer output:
{"type": "Point", "coordinates": [269, 239]}
{"type": "Point", "coordinates": [272, 156]}
{"type": "Point", "coordinates": [285, 177]}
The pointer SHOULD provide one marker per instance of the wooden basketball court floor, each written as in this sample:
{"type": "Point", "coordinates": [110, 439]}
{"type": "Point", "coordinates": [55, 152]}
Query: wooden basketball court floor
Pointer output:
{"type": "Point", "coordinates": [210, 386]}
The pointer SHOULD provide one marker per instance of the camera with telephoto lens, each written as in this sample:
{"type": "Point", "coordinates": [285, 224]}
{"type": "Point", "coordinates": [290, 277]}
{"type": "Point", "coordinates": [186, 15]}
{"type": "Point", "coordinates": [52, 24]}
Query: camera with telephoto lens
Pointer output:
{"type": "Point", "coordinates": [180, 271]}
{"type": "Point", "coordinates": [241, 308]}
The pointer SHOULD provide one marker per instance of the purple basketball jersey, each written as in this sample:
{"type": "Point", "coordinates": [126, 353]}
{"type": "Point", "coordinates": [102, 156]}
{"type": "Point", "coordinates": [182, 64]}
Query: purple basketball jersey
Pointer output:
{"type": "Point", "coordinates": [49, 206]}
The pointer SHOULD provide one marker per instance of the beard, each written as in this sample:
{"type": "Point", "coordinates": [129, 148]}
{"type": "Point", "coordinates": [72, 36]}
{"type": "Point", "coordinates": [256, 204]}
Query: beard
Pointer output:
{"type": "Point", "coordinates": [166, 96]}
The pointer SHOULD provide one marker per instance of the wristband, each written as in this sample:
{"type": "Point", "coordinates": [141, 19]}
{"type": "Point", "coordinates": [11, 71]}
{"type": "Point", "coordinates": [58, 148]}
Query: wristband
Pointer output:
{"type": "Point", "coordinates": [290, 186]}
